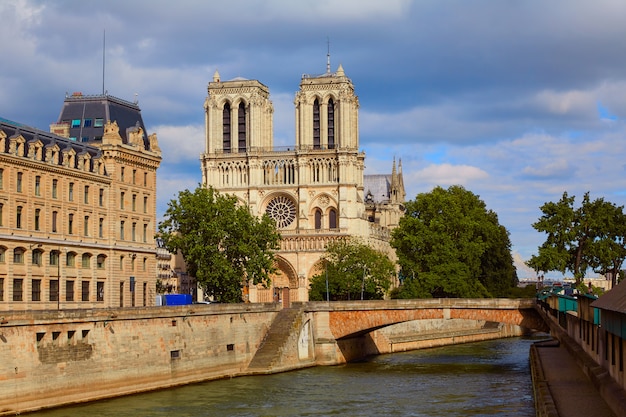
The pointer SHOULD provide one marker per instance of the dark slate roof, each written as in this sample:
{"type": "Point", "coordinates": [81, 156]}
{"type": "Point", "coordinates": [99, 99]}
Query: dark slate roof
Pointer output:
{"type": "Point", "coordinates": [613, 300]}
{"type": "Point", "coordinates": [378, 186]}
{"type": "Point", "coordinates": [105, 107]}
{"type": "Point", "coordinates": [31, 134]}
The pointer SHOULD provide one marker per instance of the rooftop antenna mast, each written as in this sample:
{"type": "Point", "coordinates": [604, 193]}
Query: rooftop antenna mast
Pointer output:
{"type": "Point", "coordinates": [328, 56]}
{"type": "Point", "coordinates": [104, 36]}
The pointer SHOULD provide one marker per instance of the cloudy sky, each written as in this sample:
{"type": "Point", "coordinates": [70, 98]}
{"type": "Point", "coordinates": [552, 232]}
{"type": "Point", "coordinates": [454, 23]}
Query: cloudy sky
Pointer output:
{"type": "Point", "coordinates": [518, 101]}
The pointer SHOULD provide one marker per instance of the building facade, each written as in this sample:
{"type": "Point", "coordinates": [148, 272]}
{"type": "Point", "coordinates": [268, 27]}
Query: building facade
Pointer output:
{"type": "Point", "coordinates": [315, 190]}
{"type": "Point", "coordinates": [77, 215]}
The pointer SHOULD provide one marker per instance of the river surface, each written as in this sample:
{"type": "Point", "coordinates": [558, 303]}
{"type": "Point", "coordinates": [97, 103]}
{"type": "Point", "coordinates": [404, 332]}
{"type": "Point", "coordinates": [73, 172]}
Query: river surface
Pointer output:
{"type": "Point", "coordinates": [476, 379]}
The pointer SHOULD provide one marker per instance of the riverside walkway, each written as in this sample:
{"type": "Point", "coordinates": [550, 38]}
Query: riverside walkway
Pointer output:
{"type": "Point", "coordinates": [561, 387]}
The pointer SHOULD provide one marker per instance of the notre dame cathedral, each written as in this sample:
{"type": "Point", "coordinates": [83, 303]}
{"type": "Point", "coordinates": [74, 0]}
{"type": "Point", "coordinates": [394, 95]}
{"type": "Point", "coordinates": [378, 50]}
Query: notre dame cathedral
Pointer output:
{"type": "Point", "coordinates": [315, 190]}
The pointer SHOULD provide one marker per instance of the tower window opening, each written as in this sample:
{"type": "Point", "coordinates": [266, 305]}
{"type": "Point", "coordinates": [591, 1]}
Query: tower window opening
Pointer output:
{"type": "Point", "coordinates": [241, 127]}
{"type": "Point", "coordinates": [316, 124]}
{"type": "Point", "coordinates": [226, 128]}
{"type": "Point", "coordinates": [331, 124]}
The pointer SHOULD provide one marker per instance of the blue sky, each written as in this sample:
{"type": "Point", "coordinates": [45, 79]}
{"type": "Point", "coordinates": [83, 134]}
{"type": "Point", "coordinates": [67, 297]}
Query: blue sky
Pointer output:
{"type": "Point", "coordinates": [518, 101]}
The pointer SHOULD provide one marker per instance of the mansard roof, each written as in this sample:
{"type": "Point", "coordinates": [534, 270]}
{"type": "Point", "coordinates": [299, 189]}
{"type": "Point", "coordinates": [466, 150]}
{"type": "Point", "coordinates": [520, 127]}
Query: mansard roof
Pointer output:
{"type": "Point", "coordinates": [104, 107]}
{"type": "Point", "coordinates": [32, 135]}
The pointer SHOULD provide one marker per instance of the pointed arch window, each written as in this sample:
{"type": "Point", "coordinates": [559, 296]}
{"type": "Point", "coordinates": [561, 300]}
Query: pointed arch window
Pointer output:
{"type": "Point", "coordinates": [332, 219]}
{"type": "Point", "coordinates": [331, 124]}
{"type": "Point", "coordinates": [318, 219]}
{"type": "Point", "coordinates": [316, 124]}
{"type": "Point", "coordinates": [241, 127]}
{"type": "Point", "coordinates": [226, 128]}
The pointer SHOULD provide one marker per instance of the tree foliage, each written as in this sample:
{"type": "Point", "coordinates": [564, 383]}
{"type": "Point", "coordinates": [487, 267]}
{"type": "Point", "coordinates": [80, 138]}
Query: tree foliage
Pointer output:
{"type": "Point", "coordinates": [449, 245]}
{"type": "Point", "coordinates": [578, 239]}
{"type": "Point", "coordinates": [352, 269]}
{"type": "Point", "coordinates": [222, 243]}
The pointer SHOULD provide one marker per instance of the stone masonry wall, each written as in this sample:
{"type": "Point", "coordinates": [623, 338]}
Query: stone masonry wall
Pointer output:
{"type": "Point", "coordinates": [93, 354]}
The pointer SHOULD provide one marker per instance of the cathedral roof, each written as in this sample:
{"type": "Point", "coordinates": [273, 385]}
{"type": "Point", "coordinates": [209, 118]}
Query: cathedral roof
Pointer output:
{"type": "Point", "coordinates": [377, 188]}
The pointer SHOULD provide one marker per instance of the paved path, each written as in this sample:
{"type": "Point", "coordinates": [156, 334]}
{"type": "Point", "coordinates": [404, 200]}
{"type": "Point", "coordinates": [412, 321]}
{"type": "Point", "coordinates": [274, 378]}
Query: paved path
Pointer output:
{"type": "Point", "coordinates": [573, 393]}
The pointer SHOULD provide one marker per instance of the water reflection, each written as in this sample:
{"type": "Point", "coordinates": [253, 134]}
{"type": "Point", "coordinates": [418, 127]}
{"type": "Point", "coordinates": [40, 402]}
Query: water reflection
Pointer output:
{"type": "Point", "coordinates": [477, 379]}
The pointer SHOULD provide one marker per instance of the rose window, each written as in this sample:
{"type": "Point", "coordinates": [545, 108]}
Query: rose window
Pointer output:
{"type": "Point", "coordinates": [282, 210]}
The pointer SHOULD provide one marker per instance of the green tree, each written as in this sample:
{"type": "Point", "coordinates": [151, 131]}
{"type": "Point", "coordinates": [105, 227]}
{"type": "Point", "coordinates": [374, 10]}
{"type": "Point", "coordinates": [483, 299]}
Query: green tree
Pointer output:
{"type": "Point", "coordinates": [449, 245]}
{"type": "Point", "coordinates": [578, 239]}
{"type": "Point", "coordinates": [222, 243]}
{"type": "Point", "coordinates": [354, 271]}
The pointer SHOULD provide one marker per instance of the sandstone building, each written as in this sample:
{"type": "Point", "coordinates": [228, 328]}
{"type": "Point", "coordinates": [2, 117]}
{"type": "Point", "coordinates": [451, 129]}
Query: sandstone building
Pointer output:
{"type": "Point", "coordinates": [315, 190]}
{"type": "Point", "coordinates": [78, 209]}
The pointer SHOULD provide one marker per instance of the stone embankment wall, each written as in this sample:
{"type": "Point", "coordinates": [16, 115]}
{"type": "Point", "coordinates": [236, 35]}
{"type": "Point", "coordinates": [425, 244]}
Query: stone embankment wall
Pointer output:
{"type": "Point", "coordinates": [49, 359]}
{"type": "Point", "coordinates": [57, 358]}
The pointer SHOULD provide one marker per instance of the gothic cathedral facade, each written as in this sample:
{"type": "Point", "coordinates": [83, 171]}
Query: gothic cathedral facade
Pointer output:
{"type": "Point", "coordinates": [316, 191]}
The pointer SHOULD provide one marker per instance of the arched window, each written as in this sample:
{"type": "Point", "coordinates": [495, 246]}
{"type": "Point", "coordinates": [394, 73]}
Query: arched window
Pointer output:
{"type": "Point", "coordinates": [318, 219]}
{"type": "Point", "coordinates": [18, 255]}
{"type": "Point", "coordinates": [226, 128]}
{"type": "Point", "coordinates": [332, 219]}
{"type": "Point", "coordinates": [241, 127]}
{"type": "Point", "coordinates": [331, 124]}
{"type": "Point", "coordinates": [316, 124]}
{"type": "Point", "coordinates": [86, 260]}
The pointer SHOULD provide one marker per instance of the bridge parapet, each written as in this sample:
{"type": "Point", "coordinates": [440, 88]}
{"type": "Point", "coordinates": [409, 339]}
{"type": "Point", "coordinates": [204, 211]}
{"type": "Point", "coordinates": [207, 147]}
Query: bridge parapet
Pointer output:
{"type": "Point", "coordinates": [344, 319]}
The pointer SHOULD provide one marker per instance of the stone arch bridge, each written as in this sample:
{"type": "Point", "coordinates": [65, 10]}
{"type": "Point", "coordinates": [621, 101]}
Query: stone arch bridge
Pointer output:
{"type": "Point", "coordinates": [322, 333]}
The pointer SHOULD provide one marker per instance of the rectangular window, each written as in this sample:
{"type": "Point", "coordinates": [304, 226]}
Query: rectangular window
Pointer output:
{"type": "Point", "coordinates": [75, 123]}
{"type": "Point", "coordinates": [86, 195]}
{"type": "Point", "coordinates": [134, 202]}
{"type": "Point", "coordinates": [1, 214]}
{"type": "Point", "coordinates": [17, 289]}
{"type": "Point", "coordinates": [70, 192]}
{"type": "Point", "coordinates": [70, 259]}
{"type": "Point", "coordinates": [36, 290]}
{"type": "Point", "coordinates": [98, 122]}
{"type": "Point", "coordinates": [134, 175]}
{"type": "Point", "coordinates": [145, 204]}
{"type": "Point", "coordinates": [37, 218]}
{"type": "Point", "coordinates": [18, 217]}
{"type": "Point", "coordinates": [69, 290]}
{"type": "Point", "coordinates": [1, 178]}
{"type": "Point", "coordinates": [84, 291]}
{"type": "Point", "coordinates": [1, 289]}
{"type": "Point", "coordinates": [133, 231]}
{"type": "Point", "coordinates": [20, 177]}
{"type": "Point", "coordinates": [145, 179]}
{"type": "Point", "coordinates": [122, 230]}
{"type": "Point", "coordinates": [86, 226]}
{"type": "Point", "coordinates": [54, 258]}
{"type": "Point", "coordinates": [145, 233]}
{"type": "Point", "coordinates": [70, 224]}
{"type": "Point", "coordinates": [100, 227]}
{"type": "Point", "coordinates": [55, 186]}
{"type": "Point", "coordinates": [87, 123]}
{"type": "Point", "coordinates": [100, 291]}
{"type": "Point", "coordinates": [101, 197]}
{"type": "Point", "coordinates": [122, 195]}
{"type": "Point", "coordinates": [54, 290]}
{"type": "Point", "coordinates": [37, 185]}
{"type": "Point", "coordinates": [54, 221]}
{"type": "Point", "coordinates": [122, 174]}
{"type": "Point", "coordinates": [145, 293]}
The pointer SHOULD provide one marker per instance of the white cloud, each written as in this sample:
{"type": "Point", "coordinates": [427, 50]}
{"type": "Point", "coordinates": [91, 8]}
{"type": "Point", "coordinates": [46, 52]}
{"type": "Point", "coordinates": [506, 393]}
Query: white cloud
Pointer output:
{"type": "Point", "coordinates": [181, 143]}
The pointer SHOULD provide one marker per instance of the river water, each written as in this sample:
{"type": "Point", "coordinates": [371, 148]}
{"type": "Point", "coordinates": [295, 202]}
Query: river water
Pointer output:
{"type": "Point", "coordinates": [489, 378]}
